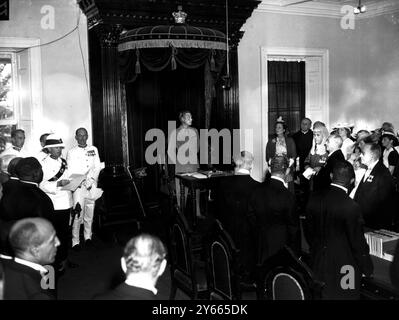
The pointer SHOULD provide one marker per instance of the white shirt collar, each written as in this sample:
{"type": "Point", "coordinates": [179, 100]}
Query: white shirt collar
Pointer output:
{"type": "Point", "coordinates": [136, 283]}
{"type": "Point", "coordinates": [30, 182]}
{"type": "Point", "coordinates": [32, 265]}
{"type": "Point", "coordinates": [14, 178]}
{"type": "Point", "coordinates": [305, 132]}
{"type": "Point", "coordinates": [243, 171]}
{"type": "Point", "coordinates": [341, 187]}
{"type": "Point", "coordinates": [3, 256]}
{"type": "Point", "coordinates": [281, 180]}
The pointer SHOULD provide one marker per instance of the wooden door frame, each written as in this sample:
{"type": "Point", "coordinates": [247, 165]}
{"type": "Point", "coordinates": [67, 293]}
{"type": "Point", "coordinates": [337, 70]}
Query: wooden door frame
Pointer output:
{"type": "Point", "coordinates": [290, 53]}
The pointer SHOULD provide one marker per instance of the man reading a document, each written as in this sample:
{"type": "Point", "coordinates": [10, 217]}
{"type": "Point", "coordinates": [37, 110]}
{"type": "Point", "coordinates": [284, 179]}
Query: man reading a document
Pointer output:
{"type": "Point", "coordinates": [84, 160]}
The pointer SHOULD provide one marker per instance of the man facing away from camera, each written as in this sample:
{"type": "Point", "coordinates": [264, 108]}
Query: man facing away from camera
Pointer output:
{"type": "Point", "coordinates": [143, 261]}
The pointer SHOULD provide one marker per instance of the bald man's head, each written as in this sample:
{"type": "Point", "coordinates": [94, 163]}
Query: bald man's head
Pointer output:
{"type": "Point", "coordinates": [35, 240]}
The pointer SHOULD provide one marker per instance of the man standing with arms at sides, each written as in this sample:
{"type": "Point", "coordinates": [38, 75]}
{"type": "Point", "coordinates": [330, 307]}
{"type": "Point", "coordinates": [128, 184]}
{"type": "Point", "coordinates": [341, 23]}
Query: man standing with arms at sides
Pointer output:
{"type": "Point", "coordinates": [17, 141]}
{"type": "Point", "coordinates": [84, 159]}
{"type": "Point", "coordinates": [334, 231]}
{"type": "Point", "coordinates": [55, 177]}
{"type": "Point", "coordinates": [376, 191]}
{"type": "Point", "coordinates": [303, 142]}
{"type": "Point", "coordinates": [322, 179]}
{"type": "Point", "coordinates": [271, 210]}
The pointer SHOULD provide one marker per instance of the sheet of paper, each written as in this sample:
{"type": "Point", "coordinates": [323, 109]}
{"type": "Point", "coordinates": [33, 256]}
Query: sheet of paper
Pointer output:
{"type": "Point", "coordinates": [308, 173]}
{"type": "Point", "coordinates": [75, 180]}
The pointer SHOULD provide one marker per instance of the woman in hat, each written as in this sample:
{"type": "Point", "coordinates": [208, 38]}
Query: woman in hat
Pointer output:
{"type": "Point", "coordinates": [318, 153]}
{"type": "Point", "coordinates": [390, 156]}
{"type": "Point", "coordinates": [281, 145]}
{"type": "Point", "coordinates": [344, 130]}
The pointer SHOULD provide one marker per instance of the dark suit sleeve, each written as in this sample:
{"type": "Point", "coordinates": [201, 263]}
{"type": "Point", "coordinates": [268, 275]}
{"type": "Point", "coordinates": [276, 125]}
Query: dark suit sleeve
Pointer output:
{"type": "Point", "coordinates": [251, 212]}
{"type": "Point", "coordinates": [293, 226]}
{"type": "Point", "coordinates": [308, 223]}
{"type": "Point", "coordinates": [386, 196]}
{"type": "Point", "coordinates": [355, 233]}
{"type": "Point", "coordinates": [268, 151]}
{"type": "Point", "coordinates": [291, 152]}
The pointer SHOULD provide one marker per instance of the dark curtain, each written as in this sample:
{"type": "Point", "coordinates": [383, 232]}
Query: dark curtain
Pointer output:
{"type": "Point", "coordinates": [286, 94]}
{"type": "Point", "coordinates": [155, 98]}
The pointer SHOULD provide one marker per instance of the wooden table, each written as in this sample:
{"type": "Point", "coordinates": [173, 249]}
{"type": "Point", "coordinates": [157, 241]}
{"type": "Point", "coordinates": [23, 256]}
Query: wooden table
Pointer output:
{"type": "Point", "coordinates": [194, 184]}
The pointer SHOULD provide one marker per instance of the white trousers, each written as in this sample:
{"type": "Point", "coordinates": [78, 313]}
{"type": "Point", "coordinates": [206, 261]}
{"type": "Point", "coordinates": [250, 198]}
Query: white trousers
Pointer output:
{"type": "Point", "coordinates": [86, 199]}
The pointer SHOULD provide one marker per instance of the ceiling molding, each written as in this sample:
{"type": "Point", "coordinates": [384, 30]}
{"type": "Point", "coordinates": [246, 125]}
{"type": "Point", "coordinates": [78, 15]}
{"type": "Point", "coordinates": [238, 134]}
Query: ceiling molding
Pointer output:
{"type": "Point", "coordinates": [325, 9]}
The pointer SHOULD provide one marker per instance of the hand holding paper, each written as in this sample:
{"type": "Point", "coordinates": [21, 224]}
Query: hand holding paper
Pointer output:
{"type": "Point", "coordinates": [308, 173]}
{"type": "Point", "coordinates": [75, 180]}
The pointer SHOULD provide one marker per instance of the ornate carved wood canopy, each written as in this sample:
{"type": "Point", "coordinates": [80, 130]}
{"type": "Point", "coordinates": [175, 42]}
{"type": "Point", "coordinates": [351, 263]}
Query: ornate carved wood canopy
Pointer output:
{"type": "Point", "coordinates": [136, 13]}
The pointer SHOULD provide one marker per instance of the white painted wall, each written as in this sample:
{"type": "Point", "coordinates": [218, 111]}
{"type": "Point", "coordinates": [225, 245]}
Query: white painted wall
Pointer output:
{"type": "Point", "coordinates": [65, 96]}
{"type": "Point", "coordinates": [363, 72]}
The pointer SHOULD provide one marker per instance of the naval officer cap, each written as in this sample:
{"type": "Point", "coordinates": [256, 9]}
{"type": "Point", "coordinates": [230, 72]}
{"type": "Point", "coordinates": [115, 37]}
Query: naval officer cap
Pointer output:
{"type": "Point", "coordinates": [54, 140]}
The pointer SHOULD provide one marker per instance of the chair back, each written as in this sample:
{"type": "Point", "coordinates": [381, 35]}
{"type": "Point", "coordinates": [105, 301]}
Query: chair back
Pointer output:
{"type": "Point", "coordinates": [181, 245]}
{"type": "Point", "coordinates": [285, 277]}
{"type": "Point", "coordinates": [187, 272]}
{"type": "Point", "coordinates": [222, 257]}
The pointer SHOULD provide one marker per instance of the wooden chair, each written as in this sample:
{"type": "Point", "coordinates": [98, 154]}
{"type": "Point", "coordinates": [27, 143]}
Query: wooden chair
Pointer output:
{"type": "Point", "coordinates": [285, 277]}
{"type": "Point", "coordinates": [187, 271]}
{"type": "Point", "coordinates": [224, 280]}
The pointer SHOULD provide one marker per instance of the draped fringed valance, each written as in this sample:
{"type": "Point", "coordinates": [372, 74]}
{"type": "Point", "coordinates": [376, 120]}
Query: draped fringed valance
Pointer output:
{"type": "Point", "coordinates": [160, 47]}
{"type": "Point", "coordinates": [157, 59]}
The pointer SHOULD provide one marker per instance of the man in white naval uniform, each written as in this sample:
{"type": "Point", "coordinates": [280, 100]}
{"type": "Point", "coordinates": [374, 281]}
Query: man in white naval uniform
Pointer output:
{"type": "Point", "coordinates": [17, 143]}
{"type": "Point", "coordinates": [84, 159]}
{"type": "Point", "coordinates": [43, 153]}
{"type": "Point", "coordinates": [55, 176]}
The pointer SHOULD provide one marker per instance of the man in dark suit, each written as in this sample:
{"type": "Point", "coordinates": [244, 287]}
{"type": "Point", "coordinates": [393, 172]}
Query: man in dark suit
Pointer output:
{"type": "Point", "coordinates": [272, 210]}
{"type": "Point", "coordinates": [232, 208]}
{"type": "Point", "coordinates": [143, 262]}
{"type": "Point", "coordinates": [25, 199]}
{"type": "Point", "coordinates": [322, 179]}
{"type": "Point", "coordinates": [375, 192]}
{"type": "Point", "coordinates": [334, 230]}
{"type": "Point", "coordinates": [303, 142]}
{"type": "Point", "coordinates": [34, 243]}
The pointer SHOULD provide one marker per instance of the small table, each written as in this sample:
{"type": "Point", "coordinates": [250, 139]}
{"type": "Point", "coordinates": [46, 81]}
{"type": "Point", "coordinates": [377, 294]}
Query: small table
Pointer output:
{"type": "Point", "coordinates": [193, 183]}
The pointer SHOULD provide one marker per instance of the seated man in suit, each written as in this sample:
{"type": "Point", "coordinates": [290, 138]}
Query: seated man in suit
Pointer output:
{"type": "Point", "coordinates": [232, 204]}
{"type": "Point", "coordinates": [322, 179]}
{"type": "Point", "coordinates": [375, 192]}
{"type": "Point", "coordinates": [34, 243]}
{"type": "Point", "coordinates": [272, 211]}
{"type": "Point", "coordinates": [143, 262]}
{"type": "Point", "coordinates": [334, 231]}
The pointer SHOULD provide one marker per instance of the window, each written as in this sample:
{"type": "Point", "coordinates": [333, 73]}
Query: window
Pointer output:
{"type": "Point", "coordinates": [8, 94]}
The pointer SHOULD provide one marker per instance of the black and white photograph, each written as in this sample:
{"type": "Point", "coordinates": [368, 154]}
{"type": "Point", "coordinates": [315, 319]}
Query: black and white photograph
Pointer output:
{"type": "Point", "coordinates": [210, 156]}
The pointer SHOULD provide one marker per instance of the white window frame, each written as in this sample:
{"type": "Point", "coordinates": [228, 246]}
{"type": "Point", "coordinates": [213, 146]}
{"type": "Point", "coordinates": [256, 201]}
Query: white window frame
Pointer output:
{"type": "Point", "coordinates": [14, 44]}
{"type": "Point", "coordinates": [7, 53]}
{"type": "Point", "coordinates": [288, 53]}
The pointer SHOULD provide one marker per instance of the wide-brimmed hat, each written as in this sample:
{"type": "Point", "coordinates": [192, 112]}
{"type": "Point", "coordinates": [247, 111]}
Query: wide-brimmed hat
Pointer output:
{"type": "Point", "coordinates": [343, 125]}
{"type": "Point", "coordinates": [54, 140]}
{"type": "Point", "coordinates": [390, 135]}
